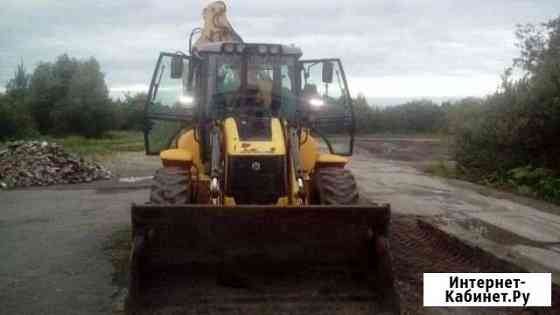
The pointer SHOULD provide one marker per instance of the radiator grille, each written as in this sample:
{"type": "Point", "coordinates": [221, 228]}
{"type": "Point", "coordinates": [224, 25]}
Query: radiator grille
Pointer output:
{"type": "Point", "coordinates": [257, 180]}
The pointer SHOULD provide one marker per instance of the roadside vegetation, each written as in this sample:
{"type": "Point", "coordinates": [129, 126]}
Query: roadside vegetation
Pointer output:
{"type": "Point", "coordinates": [416, 117]}
{"type": "Point", "coordinates": [509, 139]}
{"type": "Point", "coordinates": [514, 139]}
{"type": "Point", "coordinates": [67, 97]}
{"type": "Point", "coordinates": [111, 142]}
{"type": "Point", "coordinates": [67, 102]}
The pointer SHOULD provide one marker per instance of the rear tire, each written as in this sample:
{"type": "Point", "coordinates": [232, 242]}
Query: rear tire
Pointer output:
{"type": "Point", "coordinates": [335, 186]}
{"type": "Point", "coordinates": [171, 186]}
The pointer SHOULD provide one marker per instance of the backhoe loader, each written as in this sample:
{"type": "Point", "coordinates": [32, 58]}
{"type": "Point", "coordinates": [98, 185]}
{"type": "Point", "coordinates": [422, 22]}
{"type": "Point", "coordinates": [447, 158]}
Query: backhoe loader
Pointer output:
{"type": "Point", "coordinates": [254, 210]}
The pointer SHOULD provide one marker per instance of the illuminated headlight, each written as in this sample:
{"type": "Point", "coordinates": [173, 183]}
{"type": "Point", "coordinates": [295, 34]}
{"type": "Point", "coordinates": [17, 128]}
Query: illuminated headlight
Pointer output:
{"type": "Point", "coordinates": [274, 49]}
{"type": "Point", "coordinates": [240, 48]}
{"type": "Point", "coordinates": [263, 49]}
{"type": "Point", "coordinates": [316, 102]}
{"type": "Point", "coordinates": [186, 100]}
{"type": "Point", "coordinates": [229, 48]}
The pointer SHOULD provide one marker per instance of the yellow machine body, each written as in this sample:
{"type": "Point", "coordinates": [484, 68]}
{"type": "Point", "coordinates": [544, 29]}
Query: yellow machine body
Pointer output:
{"type": "Point", "coordinates": [248, 207]}
{"type": "Point", "coordinates": [188, 155]}
{"type": "Point", "coordinates": [236, 147]}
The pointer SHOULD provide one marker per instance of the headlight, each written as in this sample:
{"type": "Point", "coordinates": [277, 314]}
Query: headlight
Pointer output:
{"type": "Point", "coordinates": [262, 49]}
{"type": "Point", "coordinates": [229, 48]}
{"type": "Point", "coordinates": [186, 100]}
{"type": "Point", "coordinates": [316, 102]}
{"type": "Point", "coordinates": [275, 49]}
{"type": "Point", "coordinates": [240, 48]}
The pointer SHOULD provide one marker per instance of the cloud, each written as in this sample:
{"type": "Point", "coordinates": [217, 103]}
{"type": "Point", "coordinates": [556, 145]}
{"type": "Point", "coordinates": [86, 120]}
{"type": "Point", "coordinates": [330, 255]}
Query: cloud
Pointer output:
{"type": "Point", "coordinates": [389, 47]}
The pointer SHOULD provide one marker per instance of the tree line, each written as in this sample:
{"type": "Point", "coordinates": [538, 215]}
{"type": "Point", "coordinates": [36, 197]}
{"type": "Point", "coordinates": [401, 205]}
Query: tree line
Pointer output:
{"type": "Point", "coordinates": [514, 136]}
{"type": "Point", "coordinates": [67, 96]}
{"type": "Point", "coordinates": [511, 137]}
{"type": "Point", "coordinates": [419, 116]}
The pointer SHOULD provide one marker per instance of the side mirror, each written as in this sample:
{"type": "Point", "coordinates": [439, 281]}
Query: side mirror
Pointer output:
{"type": "Point", "coordinates": [328, 72]}
{"type": "Point", "coordinates": [177, 67]}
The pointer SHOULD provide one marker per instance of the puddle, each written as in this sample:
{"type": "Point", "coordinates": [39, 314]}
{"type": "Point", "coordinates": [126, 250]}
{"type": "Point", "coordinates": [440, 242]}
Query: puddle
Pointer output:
{"type": "Point", "coordinates": [496, 234]}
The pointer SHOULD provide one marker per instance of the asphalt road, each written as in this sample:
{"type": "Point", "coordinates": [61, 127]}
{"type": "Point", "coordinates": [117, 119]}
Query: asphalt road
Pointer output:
{"type": "Point", "coordinates": [53, 245]}
{"type": "Point", "coordinates": [54, 242]}
{"type": "Point", "coordinates": [520, 230]}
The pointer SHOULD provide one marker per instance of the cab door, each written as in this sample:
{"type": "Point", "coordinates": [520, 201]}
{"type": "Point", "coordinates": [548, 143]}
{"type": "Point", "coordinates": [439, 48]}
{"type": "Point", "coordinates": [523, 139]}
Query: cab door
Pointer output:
{"type": "Point", "coordinates": [171, 103]}
{"type": "Point", "coordinates": [327, 105]}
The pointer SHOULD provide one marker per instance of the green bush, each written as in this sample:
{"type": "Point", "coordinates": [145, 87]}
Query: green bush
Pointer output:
{"type": "Point", "coordinates": [519, 124]}
{"type": "Point", "coordinates": [420, 116]}
{"type": "Point", "coordinates": [70, 96]}
{"type": "Point", "coordinates": [549, 189]}
{"type": "Point", "coordinates": [85, 108]}
{"type": "Point", "coordinates": [65, 97]}
{"type": "Point", "coordinates": [129, 113]}
{"type": "Point", "coordinates": [15, 123]}
{"type": "Point", "coordinates": [539, 182]}
{"type": "Point", "coordinates": [15, 118]}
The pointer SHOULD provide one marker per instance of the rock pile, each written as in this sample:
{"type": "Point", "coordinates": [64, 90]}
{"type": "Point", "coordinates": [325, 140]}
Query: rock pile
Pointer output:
{"type": "Point", "coordinates": [34, 163]}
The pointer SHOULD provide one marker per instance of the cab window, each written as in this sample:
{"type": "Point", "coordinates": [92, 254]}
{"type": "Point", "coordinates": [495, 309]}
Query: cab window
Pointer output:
{"type": "Point", "coordinates": [326, 101]}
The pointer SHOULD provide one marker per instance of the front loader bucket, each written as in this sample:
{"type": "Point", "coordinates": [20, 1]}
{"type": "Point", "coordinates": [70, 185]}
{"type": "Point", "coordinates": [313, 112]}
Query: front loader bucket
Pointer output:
{"type": "Point", "coordinates": [249, 257]}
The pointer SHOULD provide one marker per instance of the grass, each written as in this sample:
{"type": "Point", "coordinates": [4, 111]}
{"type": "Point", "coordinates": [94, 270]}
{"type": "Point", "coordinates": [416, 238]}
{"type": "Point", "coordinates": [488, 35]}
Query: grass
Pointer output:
{"type": "Point", "coordinates": [113, 142]}
{"type": "Point", "coordinates": [443, 169]}
{"type": "Point", "coordinates": [97, 149]}
{"type": "Point", "coordinates": [546, 188]}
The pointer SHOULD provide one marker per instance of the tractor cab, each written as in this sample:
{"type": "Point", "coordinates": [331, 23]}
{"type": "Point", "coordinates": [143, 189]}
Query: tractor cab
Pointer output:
{"type": "Point", "coordinates": [251, 83]}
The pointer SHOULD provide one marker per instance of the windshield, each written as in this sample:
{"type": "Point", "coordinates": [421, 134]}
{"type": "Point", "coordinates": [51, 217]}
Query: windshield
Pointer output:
{"type": "Point", "coordinates": [170, 108]}
{"type": "Point", "coordinates": [269, 86]}
{"type": "Point", "coordinates": [327, 102]}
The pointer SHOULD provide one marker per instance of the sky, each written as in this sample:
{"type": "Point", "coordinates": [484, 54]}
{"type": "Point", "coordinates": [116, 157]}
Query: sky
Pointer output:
{"type": "Point", "coordinates": [389, 48]}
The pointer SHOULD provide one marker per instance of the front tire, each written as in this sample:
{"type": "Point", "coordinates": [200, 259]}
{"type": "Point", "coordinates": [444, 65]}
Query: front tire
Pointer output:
{"type": "Point", "coordinates": [171, 186]}
{"type": "Point", "coordinates": [335, 186]}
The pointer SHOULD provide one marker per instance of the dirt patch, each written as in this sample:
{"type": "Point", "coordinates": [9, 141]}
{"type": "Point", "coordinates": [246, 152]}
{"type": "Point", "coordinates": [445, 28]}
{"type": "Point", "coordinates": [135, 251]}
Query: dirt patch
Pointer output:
{"type": "Point", "coordinates": [132, 164]}
{"type": "Point", "coordinates": [419, 247]}
{"type": "Point", "coordinates": [407, 149]}
{"type": "Point", "coordinates": [118, 250]}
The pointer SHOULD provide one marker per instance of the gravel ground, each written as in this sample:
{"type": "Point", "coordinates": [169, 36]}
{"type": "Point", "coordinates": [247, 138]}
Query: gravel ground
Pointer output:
{"type": "Point", "coordinates": [65, 248]}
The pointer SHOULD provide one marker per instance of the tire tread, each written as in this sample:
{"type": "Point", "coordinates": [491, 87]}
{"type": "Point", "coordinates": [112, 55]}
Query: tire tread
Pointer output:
{"type": "Point", "coordinates": [335, 186]}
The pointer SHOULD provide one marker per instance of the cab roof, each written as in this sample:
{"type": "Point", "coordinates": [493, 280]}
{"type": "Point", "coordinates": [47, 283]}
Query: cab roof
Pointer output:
{"type": "Point", "coordinates": [222, 47]}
